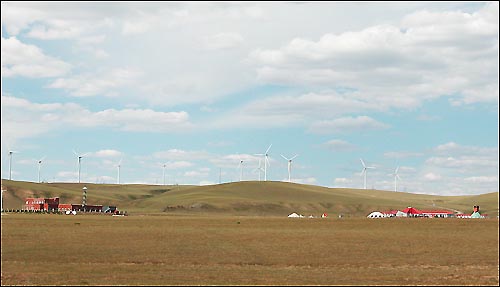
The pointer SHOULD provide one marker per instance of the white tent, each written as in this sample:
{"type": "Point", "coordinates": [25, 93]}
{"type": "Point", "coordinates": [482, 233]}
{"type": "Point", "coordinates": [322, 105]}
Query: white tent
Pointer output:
{"type": "Point", "coordinates": [295, 215]}
{"type": "Point", "coordinates": [376, 214]}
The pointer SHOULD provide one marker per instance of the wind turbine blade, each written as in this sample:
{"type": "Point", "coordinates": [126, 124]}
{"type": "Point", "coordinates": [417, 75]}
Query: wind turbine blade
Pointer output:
{"type": "Point", "coordinates": [398, 177]}
{"type": "Point", "coordinates": [120, 162]}
{"type": "Point", "coordinates": [85, 154]}
{"type": "Point", "coordinates": [267, 161]}
{"type": "Point", "coordinates": [42, 159]}
{"type": "Point", "coordinates": [284, 157]}
{"type": "Point", "coordinates": [363, 163]}
{"type": "Point", "coordinates": [269, 148]}
{"type": "Point", "coordinates": [261, 154]}
{"type": "Point", "coordinates": [396, 171]}
{"type": "Point", "coordinates": [294, 156]}
{"type": "Point", "coordinates": [75, 153]}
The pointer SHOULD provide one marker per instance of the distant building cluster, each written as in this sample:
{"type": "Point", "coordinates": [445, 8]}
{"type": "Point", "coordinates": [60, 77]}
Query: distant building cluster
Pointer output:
{"type": "Point", "coordinates": [53, 205]}
{"type": "Point", "coordinates": [413, 212]}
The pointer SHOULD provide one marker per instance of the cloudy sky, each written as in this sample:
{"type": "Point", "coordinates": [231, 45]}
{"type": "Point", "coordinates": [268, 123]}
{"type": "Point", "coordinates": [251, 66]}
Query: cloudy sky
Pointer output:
{"type": "Point", "coordinates": [181, 92]}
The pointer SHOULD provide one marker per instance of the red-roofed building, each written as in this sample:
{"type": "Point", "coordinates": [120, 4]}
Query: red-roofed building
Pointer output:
{"type": "Point", "coordinates": [412, 212]}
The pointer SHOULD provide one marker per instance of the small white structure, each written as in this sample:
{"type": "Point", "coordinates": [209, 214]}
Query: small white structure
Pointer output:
{"type": "Point", "coordinates": [401, 214]}
{"type": "Point", "coordinates": [376, 214]}
{"type": "Point", "coordinates": [295, 215]}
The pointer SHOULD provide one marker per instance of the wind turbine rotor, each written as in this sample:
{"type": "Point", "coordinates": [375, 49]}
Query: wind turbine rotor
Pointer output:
{"type": "Point", "coordinates": [268, 148]}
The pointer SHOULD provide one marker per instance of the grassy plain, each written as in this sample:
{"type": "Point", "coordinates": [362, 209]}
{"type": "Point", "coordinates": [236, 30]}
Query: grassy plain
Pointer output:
{"type": "Point", "coordinates": [208, 249]}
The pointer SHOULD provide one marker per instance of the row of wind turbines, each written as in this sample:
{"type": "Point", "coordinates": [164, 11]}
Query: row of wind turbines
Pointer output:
{"type": "Point", "coordinates": [365, 169]}
{"type": "Point", "coordinates": [267, 164]}
{"type": "Point", "coordinates": [265, 156]}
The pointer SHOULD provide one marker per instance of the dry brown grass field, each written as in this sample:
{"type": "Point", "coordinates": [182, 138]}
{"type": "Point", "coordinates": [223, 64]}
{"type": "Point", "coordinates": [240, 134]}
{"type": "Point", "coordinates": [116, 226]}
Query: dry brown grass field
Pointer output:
{"type": "Point", "coordinates": [208, 249]}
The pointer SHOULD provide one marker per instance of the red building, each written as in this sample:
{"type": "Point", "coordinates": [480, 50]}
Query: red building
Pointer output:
{"type": "Point", "coordinates": [52, 204]}
{"type": "Point", "coordinates": [45, 204]}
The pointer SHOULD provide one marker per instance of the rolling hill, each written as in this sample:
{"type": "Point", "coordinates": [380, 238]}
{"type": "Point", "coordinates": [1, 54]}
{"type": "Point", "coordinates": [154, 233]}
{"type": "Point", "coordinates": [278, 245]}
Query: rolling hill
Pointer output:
{"type": "Point", "coordinates": [243, 198]}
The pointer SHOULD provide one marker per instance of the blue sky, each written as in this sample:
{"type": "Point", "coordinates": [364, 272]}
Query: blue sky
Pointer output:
{"type": "Point", "coordinates": [191, 88]}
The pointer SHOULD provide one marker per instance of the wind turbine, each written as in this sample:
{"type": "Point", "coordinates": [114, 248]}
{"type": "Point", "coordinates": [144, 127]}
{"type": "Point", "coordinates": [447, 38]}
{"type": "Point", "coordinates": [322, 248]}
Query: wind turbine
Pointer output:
{"type": "Point", "coordinates": [259, 168]}
{"type": "Point", "coordinates": [365, 170]}
{"type": "Point", "coordinates": [164, 166]}
{"type": "Point", "coordinates": [39, 166]}
{"type": "Point", "coordinates": [266, 160]}
{"type": "Point", "coordinates": [118, 167]}
{"type": "Point", "coordinates": [396, 177]}
{"type": "Point", "coordinates": [289, 166]}
{"type": "Point", "coordinates": [240, 165]}
{"type": "Point", "coordinates": [10, 163]}
{"type": "Point", "coordinates": [79, 162]}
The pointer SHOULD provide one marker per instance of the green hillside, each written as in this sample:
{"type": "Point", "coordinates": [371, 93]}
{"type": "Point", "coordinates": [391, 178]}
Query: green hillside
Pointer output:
{"type": "Point", "coordinates": [243, 198]}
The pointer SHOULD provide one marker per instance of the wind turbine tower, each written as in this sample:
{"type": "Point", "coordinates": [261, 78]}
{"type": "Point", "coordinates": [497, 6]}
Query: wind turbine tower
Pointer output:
{"type": "Point", "coordinates": [289, 166]}
{"type": "Point", "coordinates": [79, 162]}
{"type": "Point", "coordinates": [240, 166]}
{"type": "Point", "coordinates": [396, 177]}
{"type": "Point", "coordinates": [164, 166]}
{"type": "Point", "coordinates": [365, 170]}
{"type": "Point", "coordinates": [266, 161]}
{"type": "Point", "coordinates": [118, 167]}
{"type": "Point", "coordinates": [10, 163]}
{"type": "Point", "coordinates": [39, 166]}
{"type": "Point", "coordinates": [259, 168]}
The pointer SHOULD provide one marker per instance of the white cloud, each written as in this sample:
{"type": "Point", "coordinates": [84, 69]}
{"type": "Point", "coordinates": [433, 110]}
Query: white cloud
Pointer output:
{"type": "Point", "coordinates": [232, 160]}
{"type": "Point", "coordinates": [415, 56]}
{"type": "Point", "coordinates": [339, 145]}
{"type": "Point", "coordinates": [50, 21]}
{"type": "Point", "coordinates": [342, 180]}
{"type": "Point", "coordinates": [463, 162]}
{"type": "Point", "coordinates": [454, 149]}
{"type": "Point", "coordinates": [347, 125]}
{"type": "Point", "coordinates": [97, 84]}
{"type": "Point", "coordinates": [402, 154]}
{"type": "Point", "coordinates": [222, 41]}
{"type": "Point", "coordinates": [107, 153]}
{"type": "Point", "coordinates": [279, 111]}
{"type": "Point", "coordinates": [194, 173]}
{"type": "Point", "coordinates": [24, 119]}
{"type": "Point", "coordinates": [19, 59]}
{"type": "Point", "coordinates": [482, 179]}
{"type": "Point", "coordinates": [432, 176]}
{"type": "Point", "coordinates": [178, 154]}
{"type": "Point", "coordinates": [67, 176]}
{"type": "Point", "coordinates": [178, 164]}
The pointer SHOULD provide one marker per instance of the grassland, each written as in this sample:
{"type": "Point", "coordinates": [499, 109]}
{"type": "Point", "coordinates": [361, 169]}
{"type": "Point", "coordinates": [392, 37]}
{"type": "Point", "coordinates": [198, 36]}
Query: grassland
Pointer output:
{"type": "Point", "coordinates": [211, 249]}
{"type": "Point", "coordinates": [243, 198]}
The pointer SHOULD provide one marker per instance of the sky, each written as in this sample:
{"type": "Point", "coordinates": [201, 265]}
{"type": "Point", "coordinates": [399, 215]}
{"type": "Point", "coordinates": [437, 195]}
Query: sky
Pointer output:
{"type": "Point", "coordinates": [183, 92]}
